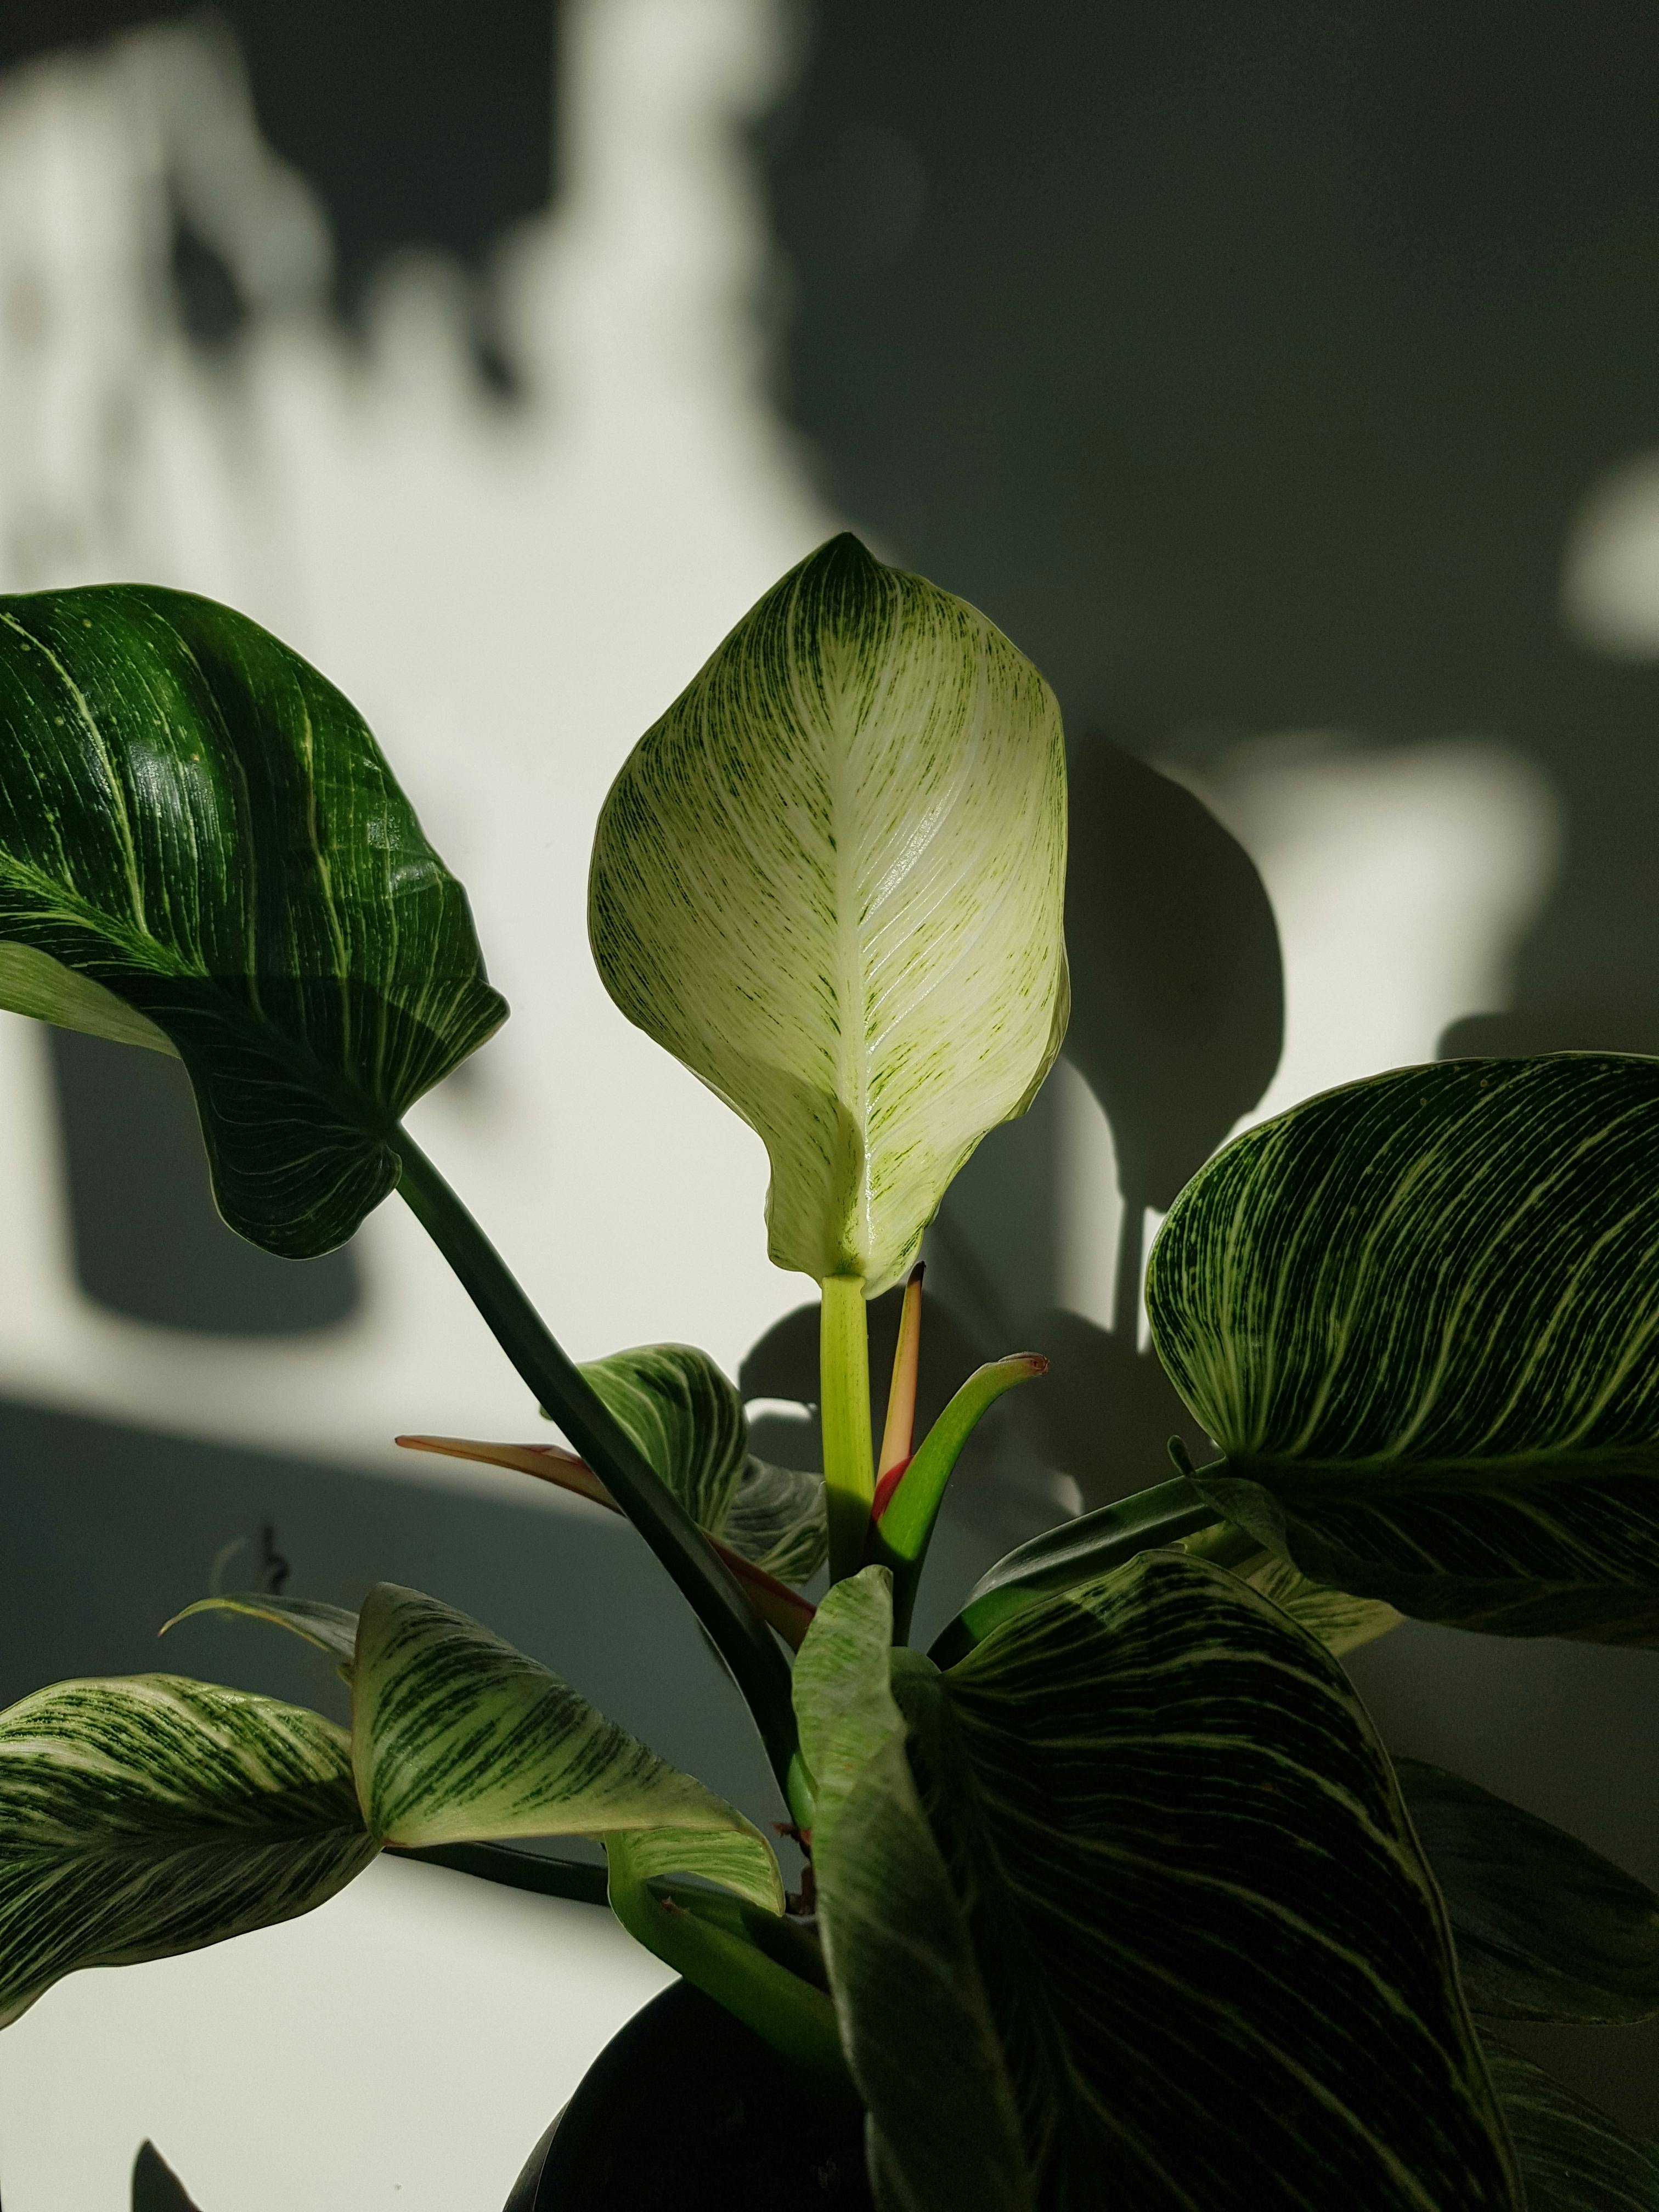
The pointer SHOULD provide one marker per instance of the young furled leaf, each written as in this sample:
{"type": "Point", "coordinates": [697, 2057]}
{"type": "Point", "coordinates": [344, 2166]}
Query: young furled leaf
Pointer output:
{"type": "Point", "coordinates": [203, 850]}
{"type": "Point", "coordinates": [831, 881]}
{"type": "Point", "coordinates": [149, 1814]}
{"type": "Point", "coordinates": [1420, 1317]}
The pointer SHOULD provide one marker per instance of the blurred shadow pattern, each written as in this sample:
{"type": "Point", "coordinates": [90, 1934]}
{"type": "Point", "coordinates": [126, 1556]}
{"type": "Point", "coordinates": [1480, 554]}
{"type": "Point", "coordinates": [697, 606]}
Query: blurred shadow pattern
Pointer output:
{"type": "Point", "coordinates": [1250, 368]}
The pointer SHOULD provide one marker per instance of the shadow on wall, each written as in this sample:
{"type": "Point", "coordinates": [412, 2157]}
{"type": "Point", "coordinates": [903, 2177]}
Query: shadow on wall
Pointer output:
{"type": "Point", "coordinates": [1254, 369]}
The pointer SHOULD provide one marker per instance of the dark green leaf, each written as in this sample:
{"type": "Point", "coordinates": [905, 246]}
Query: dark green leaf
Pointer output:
{"type": "Point", "coordinates": [1214, 1962]}
{"type": "Point", "coordinates": [1546, 1928]}
{"type": "Point", "coordinates": [1420, 1316]}
{"type": "Point", "coordinates": [202, 849]}
{"type": "Point", "coordinates": [1572, 2157]}
{"type": "Point", "coordinates": [155, 2186]}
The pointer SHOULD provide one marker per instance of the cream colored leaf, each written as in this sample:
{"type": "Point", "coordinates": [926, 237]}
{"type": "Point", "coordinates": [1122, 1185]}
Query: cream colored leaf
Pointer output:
{"type": "Point", "coordinates": [830, 880]}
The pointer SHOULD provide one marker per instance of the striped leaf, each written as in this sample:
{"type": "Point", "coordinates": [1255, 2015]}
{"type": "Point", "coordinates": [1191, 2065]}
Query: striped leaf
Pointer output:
{"type": "Point", "coordinates": [1546, 1928]}
{"type": "Point", "coordinates": [201, 849]}
{"type": "Point", "coordinates": [688, 1418]}
{"type": "Point", "coordinates": [1213, 1957]}
{"type": "Point", "coordinates": [1573, 2157]}
{"type": "Point", "coordinates": [830, 881]}
{"type": "Point", "coordinates": [915, 2018]}
{"type": "Point", "coordinates": [145, 1816]}
{"type": "Point", "coordinates": [330, 1628]}
{"type": "Point", "coordinates": [458, 1738]}
{"type": "Point", "coordinates": [1420, 1317]}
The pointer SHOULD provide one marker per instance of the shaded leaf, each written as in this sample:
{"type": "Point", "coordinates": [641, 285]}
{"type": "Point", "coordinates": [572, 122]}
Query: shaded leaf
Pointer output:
{"type": "Point", "coordinates": [830, 882]}
{"type": "Point", "coordinates": [201, 849]}
{"type": "Point", "coordinates": [458, 1738]}
{"type": "Point", "coordinates": [1419, 1316]}
{"type": "Point", "coordinates": [1546, 1928]}
{"type": "Point", "coordinates": [916, 2019]}
{"type": "Point", "coordinates": [1573, 2157]}
{"type": "Point", "coordinates": [688, 1420]}
{"type": "Point", "coordinates": [1209, 1944]}
{"type": "Point", "coordinates": [330, 1628]}
{"type": "Point", "coordinates": [149, 1814]}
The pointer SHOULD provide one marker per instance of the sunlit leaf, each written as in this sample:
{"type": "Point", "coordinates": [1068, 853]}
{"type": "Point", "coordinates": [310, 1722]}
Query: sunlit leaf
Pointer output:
{"type": "Point", "coordinates": [149, 1814]}
{"type": "Point", "coordinates": [458, 1738]}
{"type": "Point", "coordinates": [1547, 1928]}
{"type": "Point", "coordinates": [203, 850]}
{"type": "Point", "coordinates": [1213, 1957]}
{"type": "Point", "coordinates": [1420, 1317]}
{"type": "Point", "coordinates": [830, 881]}
{"type": "Point", "coordinates": [1573, 2157]}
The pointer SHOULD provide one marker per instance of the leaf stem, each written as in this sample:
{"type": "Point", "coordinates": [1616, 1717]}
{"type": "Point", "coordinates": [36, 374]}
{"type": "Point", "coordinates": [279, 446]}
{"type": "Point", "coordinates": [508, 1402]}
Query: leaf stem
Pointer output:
{"type": "Point", "coordinates": [849, 1474]}
{"type": "Point", "coordinates": [758, 1665]}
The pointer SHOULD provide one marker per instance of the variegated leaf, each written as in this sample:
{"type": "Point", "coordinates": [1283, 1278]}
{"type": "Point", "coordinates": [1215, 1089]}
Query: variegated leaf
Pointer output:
{"type": "Point", "coordinates": [330, 1628]}
{"type": "Point", "coordinates": [203, 850]}
{"type": "Point", "coordinates": [830, 881]}
{"type": "Point", "coordinates": [688, 1418]}
{"type": "Point", "coordinates": [146, 1816]}
{"type": "Point", "coordinates": [1341, 1621]}
{"type": "Point", "coordinates": [458, 1738]}
{"type": "Point", "coordinates": [1213, 1957]}
{"type": "Point", "coordinates": [766, 1971]}
{"type": "Point", "coordinates": [776, 1520]}
{"type": "Point", "coordinates": [1420, 1316]}
{"type": "Point", "coordinates": [1573, 2157]}
{"type": "Point", "coordinates": [915, 2018]}
{"type": "Point", "coordinates": [1546, 1928]}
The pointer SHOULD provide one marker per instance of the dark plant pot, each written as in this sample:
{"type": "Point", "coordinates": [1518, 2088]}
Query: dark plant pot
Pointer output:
{"type": "Point", "coordinates": [685, 2108]}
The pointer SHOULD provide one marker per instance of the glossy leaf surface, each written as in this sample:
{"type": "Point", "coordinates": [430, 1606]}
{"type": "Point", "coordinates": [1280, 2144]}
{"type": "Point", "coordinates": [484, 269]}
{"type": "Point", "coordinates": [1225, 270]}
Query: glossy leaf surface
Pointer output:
{"type": "Point", "coordinates": [1209, 1945]}
{"type": "Point", "coordinates": [1420, 1316]}
{"type": "Point", "coordinates": [458, 1738]}
{"type": "Point", "coordinates": [148, 1815]}
{"type": "Point", "coordinates": [201, 849]}
{"type": "Point", "coordinates": [1546, 1928]}
{"type": "Point", "coordinates": [830, 882]}
{"type": "Point", "coordinates": [1573, 2157]}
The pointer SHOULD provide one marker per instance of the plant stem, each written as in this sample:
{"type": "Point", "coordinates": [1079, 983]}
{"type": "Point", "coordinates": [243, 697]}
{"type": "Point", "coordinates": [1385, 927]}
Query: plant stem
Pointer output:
{"type": "Point", "coordinates": [849, 1474]}
{"type": "Point", "coordinates": [758, 1665]}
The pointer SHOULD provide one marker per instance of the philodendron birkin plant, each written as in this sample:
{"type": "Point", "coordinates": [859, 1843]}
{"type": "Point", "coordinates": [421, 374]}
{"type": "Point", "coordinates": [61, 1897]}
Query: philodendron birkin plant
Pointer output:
{"type": "Point", "coordinates": [1114, 1898]}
